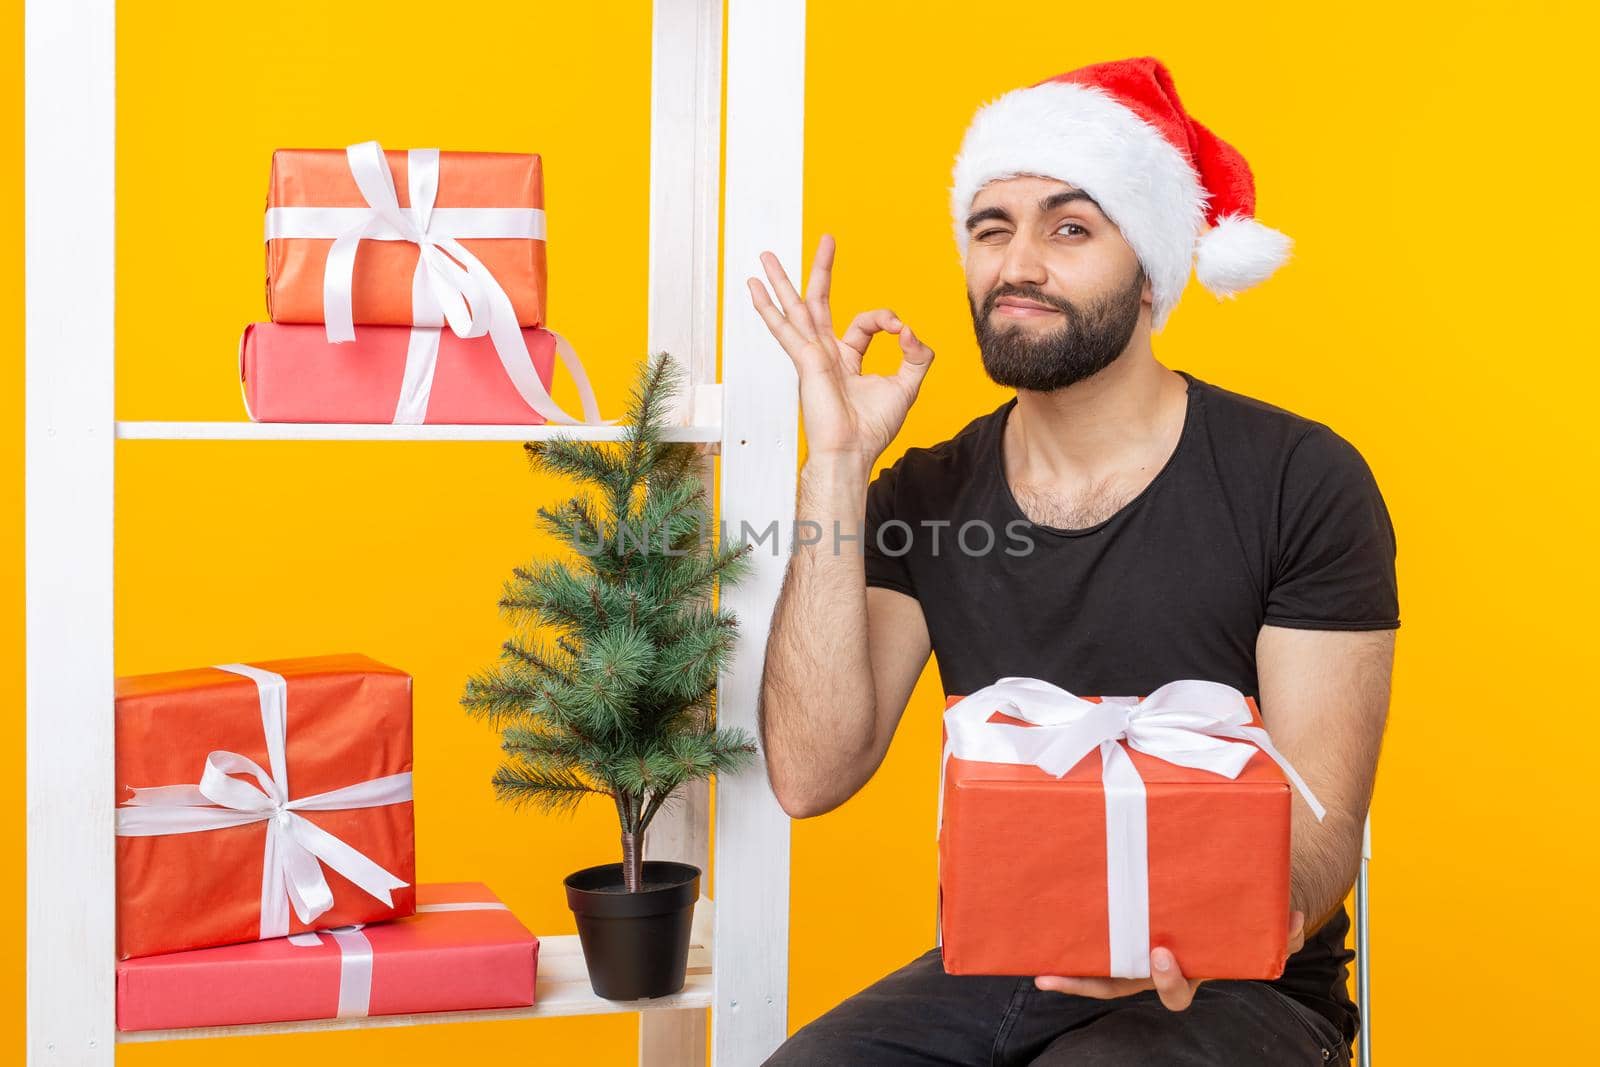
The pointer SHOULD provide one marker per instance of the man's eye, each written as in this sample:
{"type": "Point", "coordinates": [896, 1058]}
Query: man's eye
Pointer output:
{"type": "Point", "coordinates": [986, 233]}
{"type": "Point", "coordinates": [1073, 226]}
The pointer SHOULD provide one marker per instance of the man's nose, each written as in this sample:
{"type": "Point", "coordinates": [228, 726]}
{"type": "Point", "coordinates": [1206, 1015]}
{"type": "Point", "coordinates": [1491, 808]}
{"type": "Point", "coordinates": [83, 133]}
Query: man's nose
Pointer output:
{"type": "Point", "coordinates": [1024, 262]}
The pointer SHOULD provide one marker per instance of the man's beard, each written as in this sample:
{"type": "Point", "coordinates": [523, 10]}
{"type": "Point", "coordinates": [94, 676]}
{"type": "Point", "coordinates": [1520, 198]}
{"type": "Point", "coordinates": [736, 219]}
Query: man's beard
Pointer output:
{"type": "Point", "coordinates": [1088, 340]}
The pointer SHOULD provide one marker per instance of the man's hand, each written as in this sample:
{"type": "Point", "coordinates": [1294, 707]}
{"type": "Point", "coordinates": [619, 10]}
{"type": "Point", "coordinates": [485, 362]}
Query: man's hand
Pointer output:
{"type": "Point", "coordinates": [846, 413]}
{"type": "Point", "coordinates": [1176, 991]}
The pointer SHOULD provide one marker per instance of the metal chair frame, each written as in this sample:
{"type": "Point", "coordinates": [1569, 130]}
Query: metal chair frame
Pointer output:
{"type": "Point", "coordinates": [1364, 946]}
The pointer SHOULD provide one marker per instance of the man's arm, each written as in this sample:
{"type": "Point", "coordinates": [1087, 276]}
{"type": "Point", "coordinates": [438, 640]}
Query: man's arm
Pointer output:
{"type": "Point", "coordinates": [842, 659]}
{"type": "Point", "coordinates": [841, 662]}
{"type": "Point", "coordinates": [1325, 698]}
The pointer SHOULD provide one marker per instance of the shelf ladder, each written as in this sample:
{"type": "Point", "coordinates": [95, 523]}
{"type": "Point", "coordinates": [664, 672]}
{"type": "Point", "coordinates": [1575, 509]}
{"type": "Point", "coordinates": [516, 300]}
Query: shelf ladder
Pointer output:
{"type": "Point", "coordinates": [748, 418]}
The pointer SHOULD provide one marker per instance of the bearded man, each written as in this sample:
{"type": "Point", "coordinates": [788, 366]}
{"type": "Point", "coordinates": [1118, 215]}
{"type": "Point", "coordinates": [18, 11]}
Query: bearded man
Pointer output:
{"type": "Point", "coordinates": [1174, 529]}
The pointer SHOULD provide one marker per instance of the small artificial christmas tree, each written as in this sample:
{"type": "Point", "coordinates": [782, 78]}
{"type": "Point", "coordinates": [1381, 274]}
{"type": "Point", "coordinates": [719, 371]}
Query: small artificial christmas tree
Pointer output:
{"type": "Point", "coordinates": [622, 702]}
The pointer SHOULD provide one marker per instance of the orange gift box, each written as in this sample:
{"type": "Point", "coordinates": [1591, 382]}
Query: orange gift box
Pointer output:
{"type": "Point", "coordinates": [1022, 861]}
{"type": "Point", "coordinates": [382, 284]}
{"type": "Point", "coordinates": [462, 950]}
{"type": "Point", "coordinates": [345, 721]}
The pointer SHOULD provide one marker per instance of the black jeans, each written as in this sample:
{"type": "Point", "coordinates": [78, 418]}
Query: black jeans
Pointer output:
{"type": "Point", "coordinates": [921, 1016]}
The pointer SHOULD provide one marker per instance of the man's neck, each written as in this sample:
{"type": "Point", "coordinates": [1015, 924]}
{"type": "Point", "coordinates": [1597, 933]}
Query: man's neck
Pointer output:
{"type": "Point", "coordinates": [1094, 429]}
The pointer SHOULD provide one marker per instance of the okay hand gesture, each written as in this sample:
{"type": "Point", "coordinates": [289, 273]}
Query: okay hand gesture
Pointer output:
{"type": "Point", "coordinates": [847, 414]}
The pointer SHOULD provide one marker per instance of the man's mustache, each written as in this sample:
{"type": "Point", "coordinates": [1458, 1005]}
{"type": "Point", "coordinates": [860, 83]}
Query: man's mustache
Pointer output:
{"type": "Point", "coordinates": [1037, 297]}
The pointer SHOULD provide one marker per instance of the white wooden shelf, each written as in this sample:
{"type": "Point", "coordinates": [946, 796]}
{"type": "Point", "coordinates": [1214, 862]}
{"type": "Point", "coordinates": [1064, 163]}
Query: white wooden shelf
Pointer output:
{"type": "Point", "coordinates": [347, 431]}
{"type": "Point", "coordinates": [563, 989]}
{"type": "Point", "coordinates": [748, 124]}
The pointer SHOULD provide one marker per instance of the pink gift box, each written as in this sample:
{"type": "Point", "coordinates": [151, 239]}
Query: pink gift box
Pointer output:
{"type": "Point", "coordinates": [453, 955]}
{"type": "Point", "coordinates": [292, 373]}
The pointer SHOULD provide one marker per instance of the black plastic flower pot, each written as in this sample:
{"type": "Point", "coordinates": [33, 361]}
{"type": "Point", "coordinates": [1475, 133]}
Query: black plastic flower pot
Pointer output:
{"type": "Point", "coordinates": [636, 945]}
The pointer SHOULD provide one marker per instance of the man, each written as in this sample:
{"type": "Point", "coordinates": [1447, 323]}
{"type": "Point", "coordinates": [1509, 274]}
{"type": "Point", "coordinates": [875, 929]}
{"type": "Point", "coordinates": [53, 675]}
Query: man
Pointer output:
{"type": "Point", "coordinates": [1173, 529]}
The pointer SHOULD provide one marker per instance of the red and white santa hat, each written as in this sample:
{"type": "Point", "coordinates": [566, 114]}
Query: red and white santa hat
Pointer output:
{"type": "Point", "coordinates": [1118, 131]}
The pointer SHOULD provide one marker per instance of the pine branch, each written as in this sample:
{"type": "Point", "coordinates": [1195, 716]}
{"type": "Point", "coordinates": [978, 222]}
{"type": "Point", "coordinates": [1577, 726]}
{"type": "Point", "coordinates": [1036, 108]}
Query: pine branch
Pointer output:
{"type": "Point", "coordinates": [583, 461]}
{"type": "Point", "coordinates": [647, 414]}
{"type": "Point", "coordinates": [673, 513]}
{"type": "Point", "coordinates": [553, 595]}
{"type": "Point", "coordinates": [513, 696]}
{"type": "Point", "coordinates": [543, 591]}
{"type": "Point", "coordinates": [690, 757]}
{"type": "Point", "coordinates": [537, 659]}
{"type": "Point", "coordinates": [573, 524]}
{"type": "Point", "coordinates": [653, 805]}
{"type": "Point", "coordinates": [543, 748]}
{"type": "Point", "coordinates": [556, 751]}
{"type": "Point", "coordinates": [551, 791]}
{"type": "Point", "coordinates": [501, 696]}
{"type": "Point", "coordinates": [632, 775]}
{"type": "Point", "coordinates": [676, 462]}
{"type": "Point", "coordinates": [730, 563]}
{"type": "Point", "coordinates": [614, 666]}
{"type": "Point", "coordinates": [674, 626]}
{"type": "Point", "coordinates": [690, 664]}
{"type": "Point", "coordinates": [687, 756]}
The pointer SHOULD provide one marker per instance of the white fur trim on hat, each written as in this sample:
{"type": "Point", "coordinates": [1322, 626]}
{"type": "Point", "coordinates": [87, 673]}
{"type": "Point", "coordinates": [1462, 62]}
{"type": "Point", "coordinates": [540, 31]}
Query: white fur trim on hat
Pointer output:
{"type": "Point", "coordinates": [1082, 135]}
{"type": "Point", "coordinates": [1239, 252]}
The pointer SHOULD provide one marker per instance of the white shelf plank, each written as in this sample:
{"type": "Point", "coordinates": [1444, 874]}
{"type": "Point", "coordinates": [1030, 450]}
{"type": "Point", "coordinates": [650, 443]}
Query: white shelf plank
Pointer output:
{"type": "Point", "coordinates": [764, 151]}
{"type": "Point", "coordinates": [344, 431]}
{"type": "Point", "coordinates": [562, 989]}
{"type": "Point", "coordinates": [69, 159]}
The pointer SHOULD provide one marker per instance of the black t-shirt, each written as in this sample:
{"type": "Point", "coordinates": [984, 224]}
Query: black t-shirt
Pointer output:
{"type": "Point", "coordinates": [1260, 516]}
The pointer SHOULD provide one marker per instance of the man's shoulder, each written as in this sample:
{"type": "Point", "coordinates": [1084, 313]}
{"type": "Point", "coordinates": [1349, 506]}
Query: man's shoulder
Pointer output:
{"type": "Point", "coordinates": [1231, 411]}
{"type": "Point", "coordinates": [1258, 431]}
{"type": "Point", "coordinates": [1285, 454]}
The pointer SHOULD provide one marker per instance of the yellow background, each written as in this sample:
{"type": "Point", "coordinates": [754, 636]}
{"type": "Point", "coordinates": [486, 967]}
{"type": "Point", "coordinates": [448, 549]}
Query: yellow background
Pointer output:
{"type": "Point", "coordinates": [1429, 160]}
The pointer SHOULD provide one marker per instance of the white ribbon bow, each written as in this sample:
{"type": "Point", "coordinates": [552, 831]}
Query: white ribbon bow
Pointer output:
{"type": "Point", "coordinates": [355, 956]}
{"type": "Point", "coordinates": [450, 286]}
{"type": "Point", "coordinates": [291, 873]}
{"type": "Point", "coordinates": [1190, 722]}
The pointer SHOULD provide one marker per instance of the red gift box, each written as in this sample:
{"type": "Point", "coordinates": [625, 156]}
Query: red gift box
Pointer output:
{"type": "Point", "coordinates": [259, 800]}
{"type": "Point", "coordinates": [293, 374]}
{"type": "Point", "coordinates": [1024, 882]}
{"type": "Point", "coordinates": [493, 202]}
{"type": "Point", "coordinates": [461, 950]}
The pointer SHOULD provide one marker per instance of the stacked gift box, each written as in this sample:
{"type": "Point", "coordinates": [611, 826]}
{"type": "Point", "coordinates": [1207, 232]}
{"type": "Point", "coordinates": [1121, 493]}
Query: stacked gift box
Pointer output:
{"type": "Point", "coordinates": [266, 858]}
{"type": "Point", "coordinates": [265, 850]}
{"type": "Point", "coordinates": [406, 287]}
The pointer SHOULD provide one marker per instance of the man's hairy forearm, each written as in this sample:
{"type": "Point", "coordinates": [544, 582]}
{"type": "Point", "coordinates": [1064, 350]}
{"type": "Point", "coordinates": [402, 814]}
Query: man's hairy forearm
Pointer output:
{"type": "Point", "coordinates": [816, 711]}
{"type": "Point", "coordinates": [1327, 855]}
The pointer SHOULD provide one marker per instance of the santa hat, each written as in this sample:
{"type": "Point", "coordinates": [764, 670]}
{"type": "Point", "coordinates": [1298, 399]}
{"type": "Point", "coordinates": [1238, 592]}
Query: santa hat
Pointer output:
{"type": "Point", "coordinates": [1118, 131]}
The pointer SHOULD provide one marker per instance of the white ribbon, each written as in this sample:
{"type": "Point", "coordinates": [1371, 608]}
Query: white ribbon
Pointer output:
{"type": "Point", "coordinates": [450, 287]}
{"type": "Point", "coordinates": [422, 358]}
{"type": "Point", "coordinates": [1190, 722]}
{"type": "Point", "coordinates": [355, 956]}
{"type": "Point", "coordinates": [355, 966]}
{"type": "Point", "coordinates": [291, 873]}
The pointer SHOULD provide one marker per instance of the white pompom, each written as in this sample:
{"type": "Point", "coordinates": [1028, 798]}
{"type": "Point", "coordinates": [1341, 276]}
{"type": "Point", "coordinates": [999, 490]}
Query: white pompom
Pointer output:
{"type": "Point", "coordinates": [1237, 253]}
